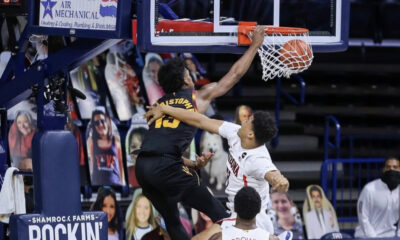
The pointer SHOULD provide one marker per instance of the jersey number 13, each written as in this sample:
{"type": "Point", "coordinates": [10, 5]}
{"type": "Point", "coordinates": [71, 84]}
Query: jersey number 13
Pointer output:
{"type": "Point", "coordinates": [167, 122]}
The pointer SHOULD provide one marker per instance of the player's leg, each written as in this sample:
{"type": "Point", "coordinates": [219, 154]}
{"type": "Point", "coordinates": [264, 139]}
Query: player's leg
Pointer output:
{"type": "Point", "coordinates": [169, 211]}
{"type": "Point", "coordinates": [200, 198]}
{"type": "Point", "coordinates": [162, 180]}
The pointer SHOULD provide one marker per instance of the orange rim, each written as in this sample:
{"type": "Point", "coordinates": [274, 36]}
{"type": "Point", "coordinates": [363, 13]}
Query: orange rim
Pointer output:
{"type": "Point", "coordinates": [285, 30]}
{"type": "Point", "coordinates": [246, 27]}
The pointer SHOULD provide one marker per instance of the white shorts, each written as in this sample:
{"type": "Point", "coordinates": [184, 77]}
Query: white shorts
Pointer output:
{"type": "Point", "coordinates": [263, 221]}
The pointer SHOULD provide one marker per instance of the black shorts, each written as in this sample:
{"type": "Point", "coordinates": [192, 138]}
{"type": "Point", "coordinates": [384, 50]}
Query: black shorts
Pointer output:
{"type": "Point", "coordinates": [167, 174]}
{"type": "Point", "coordinates": [166, 181]}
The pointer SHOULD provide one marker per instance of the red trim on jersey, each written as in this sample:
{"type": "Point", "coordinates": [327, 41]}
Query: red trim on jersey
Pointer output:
{"type": "Point", "coordinates": [245, 180]}
{"type": "Point", "coordinates": [226, 219]}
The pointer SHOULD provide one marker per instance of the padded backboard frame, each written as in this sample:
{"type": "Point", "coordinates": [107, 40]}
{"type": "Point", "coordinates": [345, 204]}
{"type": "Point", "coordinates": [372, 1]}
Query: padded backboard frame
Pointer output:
{"type": "Point", "coordinates": [224, 37]}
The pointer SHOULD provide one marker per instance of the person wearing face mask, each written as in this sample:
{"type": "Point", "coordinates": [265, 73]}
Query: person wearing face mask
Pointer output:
{"type": "Point", "coordinates": [378, 204]}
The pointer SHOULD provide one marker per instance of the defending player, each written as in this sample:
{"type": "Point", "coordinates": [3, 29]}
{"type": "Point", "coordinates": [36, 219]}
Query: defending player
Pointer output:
{"type": "Point", "coordinates": [247, 206]}
{"type": "Point", "coordinates": [249, 162]}
{"type": "Point", "coordinates": [159, 168]}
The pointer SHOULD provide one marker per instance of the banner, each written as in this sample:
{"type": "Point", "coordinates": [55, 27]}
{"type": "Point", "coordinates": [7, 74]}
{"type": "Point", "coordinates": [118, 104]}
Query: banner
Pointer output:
{"type": "Point", "coordinates": [79, 14]}
{"type": "Point", "coordinates": [87, 226]}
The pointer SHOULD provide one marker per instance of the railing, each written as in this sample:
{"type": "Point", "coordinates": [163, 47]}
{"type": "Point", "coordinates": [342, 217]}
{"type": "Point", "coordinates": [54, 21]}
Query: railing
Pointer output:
{"type": "Point", "coordinates": [368, 141]}
{"type": "Point", "coordinates": [350, 173]}
{"type": "Point", "coordinates": [353, 175]}
{"type": "Point", "coordinates": [282, 92]}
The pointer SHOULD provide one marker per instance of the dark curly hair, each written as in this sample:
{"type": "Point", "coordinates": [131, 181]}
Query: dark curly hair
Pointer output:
{"type": "Point", "coordinates": [114, 224]}
{"type": "Point", "coordinates": [264, 127]}
{"type": "Point", "coordinates": [247, 203]}
{"type": "Point", "coordinates": [171, 75]}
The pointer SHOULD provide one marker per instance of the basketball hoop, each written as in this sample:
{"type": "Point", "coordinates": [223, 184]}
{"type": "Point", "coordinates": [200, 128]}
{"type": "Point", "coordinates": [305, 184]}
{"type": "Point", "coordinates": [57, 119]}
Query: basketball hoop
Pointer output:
{"type": "Point", "coordinates": [285, 51]}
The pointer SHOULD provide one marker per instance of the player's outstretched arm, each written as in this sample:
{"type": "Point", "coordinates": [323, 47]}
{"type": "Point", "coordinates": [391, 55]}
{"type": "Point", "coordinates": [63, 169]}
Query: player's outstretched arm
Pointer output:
{"type": "Point", "coordinates": [192, 118]}
{"type": "Point", "coordinates": [200, 162]}
{"type": "Point", "coordinates": [239, 68]}
{"type": "Point", "coordinates": [277, 181]}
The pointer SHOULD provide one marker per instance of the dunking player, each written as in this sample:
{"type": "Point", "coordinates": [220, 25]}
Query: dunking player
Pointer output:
{"type": "Point", "coordinates": [159, 168]}
{"type": "Point", "coordinates": [249, 163]}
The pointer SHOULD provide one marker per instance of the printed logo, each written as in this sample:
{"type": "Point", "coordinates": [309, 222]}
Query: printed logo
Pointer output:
{"type": "Point", "coordinates": [109, 9]}
{"type": "Point", "coordinates": [48, 7]}
{"type": "Point", "coordinates": [186, 170]}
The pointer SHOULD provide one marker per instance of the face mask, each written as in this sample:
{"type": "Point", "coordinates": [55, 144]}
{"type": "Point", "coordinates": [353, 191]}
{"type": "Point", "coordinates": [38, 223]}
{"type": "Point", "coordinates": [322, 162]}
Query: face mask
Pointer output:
{"type": "Point", "coordinates": [391, 178]}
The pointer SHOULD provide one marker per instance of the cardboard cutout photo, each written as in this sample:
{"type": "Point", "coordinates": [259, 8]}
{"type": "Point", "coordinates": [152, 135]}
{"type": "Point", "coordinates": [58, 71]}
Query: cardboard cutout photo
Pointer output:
{"type": "Point", "coordinates": [140, 212]}
{"type": "Point", "coordinates": [123, 85]}
{"type": "Point", "coordinates": [153, 62]}
{"type": "Point", "coordinates": [104, 150]}
{"type": "Point", "coordinates": [83, 78]}
{"type": "Point", "coordinates": [133, 141]}
{"type": "Point", "coordinates": [196, 70]}
{"type": "Point", "coordinates": [28, 106]}
{"type": "Point", "coordinates": [20, 138]}
{"type": "Point", "coordinates": [284, 214]}
{"type": "Point", "coordinates": [319, 215]}
{"type": "Point", "coordinates": [215, 170]}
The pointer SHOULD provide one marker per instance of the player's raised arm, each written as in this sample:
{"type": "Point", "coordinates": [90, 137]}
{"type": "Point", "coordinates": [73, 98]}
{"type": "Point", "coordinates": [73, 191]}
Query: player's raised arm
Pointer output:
{"type": "Point", "coordinates": [192, 118]}
{"type": "Point", "coordinates": [277, 181]}
{"type": "Point", "coordinates": [239, 68]}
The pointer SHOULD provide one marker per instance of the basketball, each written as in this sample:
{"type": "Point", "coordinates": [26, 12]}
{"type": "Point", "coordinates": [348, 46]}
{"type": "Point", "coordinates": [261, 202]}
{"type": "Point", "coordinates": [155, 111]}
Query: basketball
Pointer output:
{"type": "Point", "coordinates": [296, 54]}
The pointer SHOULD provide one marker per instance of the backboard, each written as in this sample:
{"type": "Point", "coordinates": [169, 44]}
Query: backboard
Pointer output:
{"type": "Point", "coordinates": [212, 25]}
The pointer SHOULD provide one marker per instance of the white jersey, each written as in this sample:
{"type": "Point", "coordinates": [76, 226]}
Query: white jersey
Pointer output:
{"type": "Point", "coordinates": [234, 233]}
{"type": "Point", "coordinates": [263, 221]}
{"type": "Point", "coordinates": [245, 167]}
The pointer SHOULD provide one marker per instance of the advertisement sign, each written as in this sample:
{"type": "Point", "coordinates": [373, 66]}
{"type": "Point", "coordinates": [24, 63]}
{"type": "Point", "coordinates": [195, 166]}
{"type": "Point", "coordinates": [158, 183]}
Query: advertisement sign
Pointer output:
{"type": "Point", "coordinates": [88, 226]}
{"type": "Point", "coordinates": [58, 209]}
{"type": "Point", "coordinates": [79, 14]}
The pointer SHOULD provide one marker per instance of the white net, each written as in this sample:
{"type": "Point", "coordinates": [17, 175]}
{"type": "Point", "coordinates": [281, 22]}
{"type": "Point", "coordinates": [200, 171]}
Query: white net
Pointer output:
{"type": "Point", "coordinates": [284, 55]}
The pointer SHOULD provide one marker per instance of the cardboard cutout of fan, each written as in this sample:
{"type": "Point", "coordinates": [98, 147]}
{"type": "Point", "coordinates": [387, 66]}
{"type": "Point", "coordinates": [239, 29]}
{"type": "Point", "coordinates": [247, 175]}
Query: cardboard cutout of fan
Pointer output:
{"type": "Point", "coordinates": [318, 213]}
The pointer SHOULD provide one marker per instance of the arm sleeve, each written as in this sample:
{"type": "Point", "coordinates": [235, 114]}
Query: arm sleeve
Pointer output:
{"type": "Point", "coordinates": [227, 130]}
{"type": "Point", "coordinates": [364, 211]}
{"type": "Point", "coordinates": [258, 167]}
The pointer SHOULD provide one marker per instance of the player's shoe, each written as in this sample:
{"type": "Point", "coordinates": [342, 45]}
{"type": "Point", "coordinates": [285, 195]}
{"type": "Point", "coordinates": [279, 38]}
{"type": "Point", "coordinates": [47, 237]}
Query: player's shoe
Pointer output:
{"type": "Point", "coordinates": [286, 235]}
